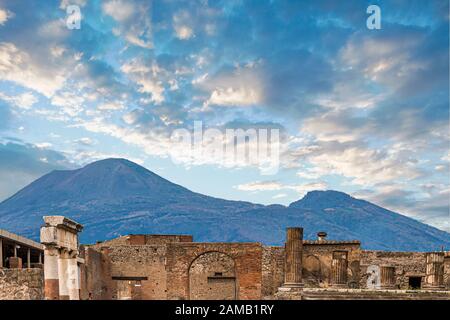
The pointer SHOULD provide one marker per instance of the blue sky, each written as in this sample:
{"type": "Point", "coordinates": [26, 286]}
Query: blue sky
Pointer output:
{"type": "Point", "coordinates": [361, 111]}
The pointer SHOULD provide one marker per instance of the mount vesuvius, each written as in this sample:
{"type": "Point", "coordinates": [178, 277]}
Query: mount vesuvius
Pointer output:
{"type": "Point", "coordinates": [115, 197]}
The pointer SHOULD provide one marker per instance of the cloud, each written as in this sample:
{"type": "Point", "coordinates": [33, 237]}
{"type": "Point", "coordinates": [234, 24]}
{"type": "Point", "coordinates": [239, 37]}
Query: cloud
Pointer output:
{"type": "Point", "coordinates": [17, 66]}
{"type": "Point", "coordinates": [302, 189]}
{"type": "Point", "coordinates": [23, 101]}
{"type": "Point", "coordinates": [243, 86]}
{"type": "Point", "coordinates": [22, 163]}
{"type": "Point", "coordinates": [181, 24]}
{"type": "Point", "coordinates": [147, 77]}
{"type": "Point", "coordinates": [133, 20]}
{"type": "Point", "coordinates": [5, 15]}
{"type": "Point", "coordinates": [430, 204]}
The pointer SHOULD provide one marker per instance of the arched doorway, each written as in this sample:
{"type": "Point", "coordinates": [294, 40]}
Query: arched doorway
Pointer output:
{"type": "Point", "coordinates": [212, 277]}
{"type": "Point", "coordinates": [312, 271]}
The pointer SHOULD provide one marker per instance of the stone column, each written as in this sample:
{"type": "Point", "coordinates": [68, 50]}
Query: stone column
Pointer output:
{"type": "Point", "coordinates": [61, 234]}
{"type": "Point", "coordinates": [434, 278]}
{"type": "Point", "coordinates": [51, 278]}
{"type": "Point", "coordinates": [387, 276]}
{"type": "Point", "coordinates": [63, 266]}
{"type": "Point", "coordinates": [73, 277]}
{"type": "Point", "coordinates": [339, 264]}
{"type": "Point", "coordinates": [293, 263]}
{"type": "Point", "coordinates": [28, 258]}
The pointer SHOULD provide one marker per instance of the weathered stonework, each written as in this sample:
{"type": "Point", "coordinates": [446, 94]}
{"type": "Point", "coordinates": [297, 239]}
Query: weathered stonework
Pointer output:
{"type": "Point", "coordinates": [148, 267]}
{"type": "Point", "coordinates": [21, 284]}
{"type": "Point", "coordinates": [407, 264]}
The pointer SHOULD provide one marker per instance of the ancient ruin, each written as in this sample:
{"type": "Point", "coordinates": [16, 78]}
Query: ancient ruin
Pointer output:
{"type": "Point", "coordinates": [146, 267]}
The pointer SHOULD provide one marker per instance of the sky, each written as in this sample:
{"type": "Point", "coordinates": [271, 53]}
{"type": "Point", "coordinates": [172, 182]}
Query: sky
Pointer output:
{"type": "Point", "coordinates": [359, 110]}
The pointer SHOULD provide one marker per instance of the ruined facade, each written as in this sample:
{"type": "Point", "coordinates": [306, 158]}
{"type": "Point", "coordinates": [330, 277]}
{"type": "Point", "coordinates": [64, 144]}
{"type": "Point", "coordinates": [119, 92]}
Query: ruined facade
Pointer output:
{"type": "Point", "coordinates": [147, 267]}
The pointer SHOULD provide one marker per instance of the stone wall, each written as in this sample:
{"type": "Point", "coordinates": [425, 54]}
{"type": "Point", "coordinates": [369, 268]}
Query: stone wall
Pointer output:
{"type": "Point", "coordinates": [246, 256]}
{"type": "Point", "coordinates": [144, 239]}
{"type": "Point", "coordinates": [447, 270]}
{"type": "Point", "coordinates": [21, 284]}
{"type": "Point", "coordinates": [212, 276]}
{"type": "Point", "coordinates": [317, 257]}
{"type": "Point", "coordinates": [137, 269]}
{"type": "Point", "coordinates": [272, 270]}
{"type": "Point", "coordinates": [406, 264]}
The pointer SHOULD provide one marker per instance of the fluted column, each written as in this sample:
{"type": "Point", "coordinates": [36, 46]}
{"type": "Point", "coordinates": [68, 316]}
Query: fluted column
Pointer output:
{"type": "Point", "coordinates": [434, 278]}
{"type": "Point", "coordinates": [51, 278]}
{"type": "Point", "coordinates": [387, 277]}
{"type": "Point", "coordinates": [339, 266]}
{"type": "Point", "coordinates": [293, 263]}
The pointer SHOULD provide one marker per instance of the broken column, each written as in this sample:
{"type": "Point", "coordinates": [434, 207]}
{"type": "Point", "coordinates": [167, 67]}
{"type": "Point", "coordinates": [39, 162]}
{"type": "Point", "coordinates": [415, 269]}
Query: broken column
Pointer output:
{"type": "Point", "coordinates": [60, 239]}
{"type": "Point", "coordinates": [293, 260]}
{"type": "Point", "coordinates": [387, 277]}
{"type": "Point", "coordinates": [434, 278]}
{"type": "Point", "coordinates": [339, 265]}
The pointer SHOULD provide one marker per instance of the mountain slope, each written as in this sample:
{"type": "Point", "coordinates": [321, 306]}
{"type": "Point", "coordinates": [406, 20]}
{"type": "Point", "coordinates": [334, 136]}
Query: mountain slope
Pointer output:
{"type": "Point", "coordinates": [114, 197]}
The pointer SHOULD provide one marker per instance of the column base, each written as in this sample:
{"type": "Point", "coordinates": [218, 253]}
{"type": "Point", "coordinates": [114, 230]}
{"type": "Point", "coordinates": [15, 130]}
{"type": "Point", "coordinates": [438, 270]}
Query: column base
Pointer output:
{"type": "Point", "coordinates": [290, 287]}
{"type": "Point", "coordinates": [390, 287]}
{"type": "Point", "coordinates": [51, 289]}
{"type": "Point", "coordinates": [434, 288]}
{"type": "Point", "coordinates": [339, 285]}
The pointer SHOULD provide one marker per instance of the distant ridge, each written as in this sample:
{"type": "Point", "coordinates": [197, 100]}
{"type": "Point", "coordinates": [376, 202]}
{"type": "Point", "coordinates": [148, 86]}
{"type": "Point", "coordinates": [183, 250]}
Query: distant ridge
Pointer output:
{"type": "Point", "coordinates": [115, 197]}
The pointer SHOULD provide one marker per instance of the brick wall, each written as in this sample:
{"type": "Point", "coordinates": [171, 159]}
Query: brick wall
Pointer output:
{"type": "Point", "coordinates": [247, 258]}
{"type": "Point", "coordinates": [21, 284]}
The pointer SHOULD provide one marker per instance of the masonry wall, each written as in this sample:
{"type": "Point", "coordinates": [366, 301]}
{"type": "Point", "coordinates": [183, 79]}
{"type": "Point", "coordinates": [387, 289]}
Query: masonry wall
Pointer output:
{"type": "Point", "coordinates": [212, 276]}
{"type": "Point", "coordinates": [317, 258]}
{"type": "Point", "coordinates": [447, 270]}
{"type": "Point", "coordinates": [98, 274]}
{"type": "Point", "coordinates": [406, 264]}
{"type": "Point", "coordinates": [272, 270]}
{"type": "Point", "coordinates": [21, 284]}
{"type": "Point", "coordinates": [247, 258]}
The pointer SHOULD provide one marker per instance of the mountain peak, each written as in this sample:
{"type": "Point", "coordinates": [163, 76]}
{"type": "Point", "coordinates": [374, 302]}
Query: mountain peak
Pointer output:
{"type": "Point", "coordinates": [323, 199]}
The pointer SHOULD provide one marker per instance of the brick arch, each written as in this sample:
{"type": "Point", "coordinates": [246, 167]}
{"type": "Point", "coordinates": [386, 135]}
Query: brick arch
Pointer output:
{"type": "Point", "coordinates": [212, 276]}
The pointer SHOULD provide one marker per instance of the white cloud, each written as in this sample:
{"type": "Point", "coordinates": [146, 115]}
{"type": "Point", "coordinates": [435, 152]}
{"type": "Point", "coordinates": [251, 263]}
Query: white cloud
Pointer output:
{"type": "Point", "coordinates": [133, 19]}
{"type": "Point", "coordinates": [147, 77]}
{"type": "Point", "coordinates": [119, 10]}
{"type": "Point", "coordinates": [23, 101]}
{"type": "Point", "coordinates": [43, 145]}
{"type": "Point", "coordinates": [363, 166]}
{"type": "Point", "coordinates": [181, 25]}
{"type": "Point", "coordinates": [276, 186]}
{"type": "Point", "coordinates": [243, 87]}
{"type": "Point", "coordinates": [17, 66]}
{"type": "Point", "coordinates": [85, 141]}
{"type": "Point", "coordinates": [65, 3]}
{"type": "Point", "coordinates": [184, 32]}
{"type": "Point", "coordinates": [234, 97]}
{"type": "Point", "coordinates": [112, 105]}
{"type": "Point", "coordinates": [71, 104]}
{"type": "Point", "coordinates": [5, 15]}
